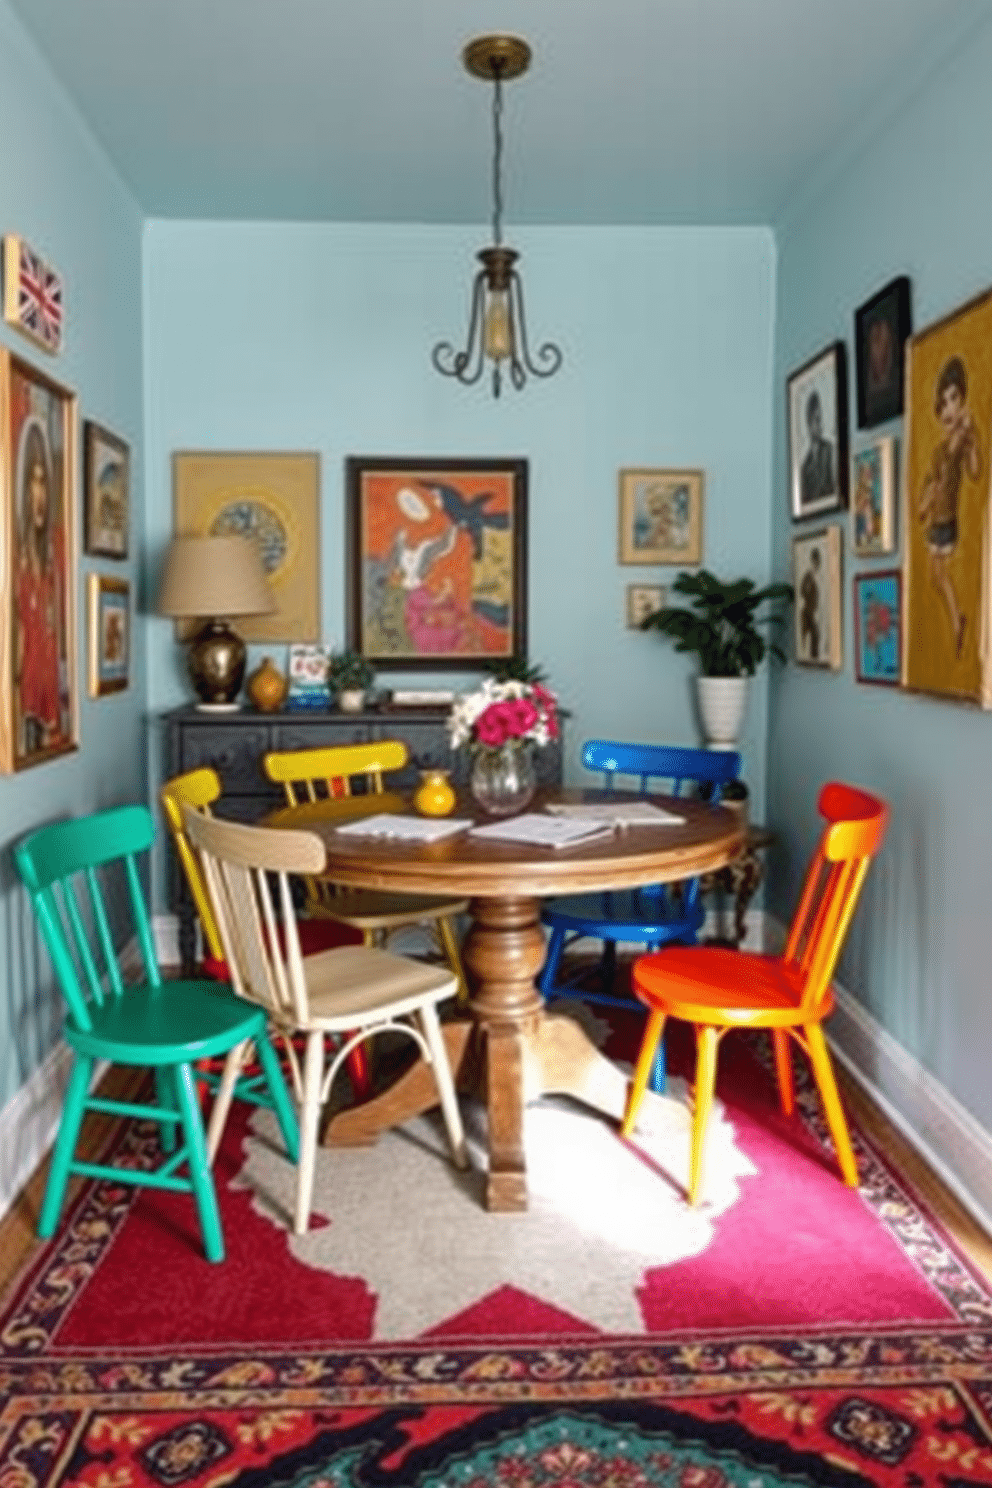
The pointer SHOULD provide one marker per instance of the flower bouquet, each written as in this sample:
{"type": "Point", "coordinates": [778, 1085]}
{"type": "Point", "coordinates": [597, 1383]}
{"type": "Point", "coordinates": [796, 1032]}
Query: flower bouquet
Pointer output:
{"type": "Point", "coordinates": [501, 722]}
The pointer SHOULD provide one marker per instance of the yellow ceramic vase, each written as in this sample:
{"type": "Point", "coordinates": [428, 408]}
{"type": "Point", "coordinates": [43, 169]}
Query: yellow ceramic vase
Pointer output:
{"type": "Point", "coordinates": [434, 796]}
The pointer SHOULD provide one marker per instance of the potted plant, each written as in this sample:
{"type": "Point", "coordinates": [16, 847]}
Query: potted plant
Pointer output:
{"type": "Point", "coordinates": [349, 676]}
{"type": "Point", "coordinates": [721, 626]}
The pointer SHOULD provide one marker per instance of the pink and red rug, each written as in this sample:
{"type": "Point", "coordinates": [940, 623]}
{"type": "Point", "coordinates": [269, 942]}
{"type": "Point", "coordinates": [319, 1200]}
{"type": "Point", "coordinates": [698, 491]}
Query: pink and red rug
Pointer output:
{"type": "Point", "coordinates": [790, 1327]}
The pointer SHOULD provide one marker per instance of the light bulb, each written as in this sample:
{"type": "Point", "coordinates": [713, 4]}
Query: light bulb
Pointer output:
{"type": "Point", "coordinates": [498, 337]}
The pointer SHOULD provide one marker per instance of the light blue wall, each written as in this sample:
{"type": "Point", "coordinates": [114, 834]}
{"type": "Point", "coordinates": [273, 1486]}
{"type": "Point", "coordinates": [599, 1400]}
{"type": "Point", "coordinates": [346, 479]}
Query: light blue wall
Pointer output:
{"type": "Point", "coordinates": [319, 338]}
{"type": "Point", "coordinates": [58, 191]}
{"type": "Point", "coordinates": [915, 200]}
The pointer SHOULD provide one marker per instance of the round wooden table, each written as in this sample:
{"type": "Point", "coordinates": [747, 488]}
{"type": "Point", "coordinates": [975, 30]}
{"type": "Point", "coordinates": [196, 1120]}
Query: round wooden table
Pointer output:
{"type": "Point", "coordinates": [525, 1051]}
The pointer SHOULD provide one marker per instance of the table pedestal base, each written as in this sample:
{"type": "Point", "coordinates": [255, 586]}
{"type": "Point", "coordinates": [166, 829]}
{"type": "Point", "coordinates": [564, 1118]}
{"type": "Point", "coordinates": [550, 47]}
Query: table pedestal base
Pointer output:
{"type": "Point", "coordinates": [512, 1053]}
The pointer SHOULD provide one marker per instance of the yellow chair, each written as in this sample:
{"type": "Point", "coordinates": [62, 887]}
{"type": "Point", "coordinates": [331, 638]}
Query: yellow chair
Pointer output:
{"type": "Point", "coordinates": [319, 774]}
{"type": "Point", "coordinates": [717, 989]}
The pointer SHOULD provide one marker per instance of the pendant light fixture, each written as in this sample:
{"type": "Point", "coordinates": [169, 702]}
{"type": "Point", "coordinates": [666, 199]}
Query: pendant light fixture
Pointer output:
{"type": "Point", "coordinates": [497, 329]}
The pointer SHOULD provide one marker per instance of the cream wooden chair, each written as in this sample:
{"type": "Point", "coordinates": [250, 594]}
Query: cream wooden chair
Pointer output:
{"type": "Point", "coordinates": [354, 992]}
{"type": "Point", "coordinates": [335, 771]}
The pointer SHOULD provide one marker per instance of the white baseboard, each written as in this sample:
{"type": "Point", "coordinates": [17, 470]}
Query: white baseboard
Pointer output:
{"type": "Point", "coordinates": [29, 1121]}
{"type": "Point", "coordinates": [946, 1136]}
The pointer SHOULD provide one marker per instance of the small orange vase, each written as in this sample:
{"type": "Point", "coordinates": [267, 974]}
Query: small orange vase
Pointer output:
{"type": "Point", "coordinates": [434, 796]}
{"type": "Point", "coordinates": [267, 687]}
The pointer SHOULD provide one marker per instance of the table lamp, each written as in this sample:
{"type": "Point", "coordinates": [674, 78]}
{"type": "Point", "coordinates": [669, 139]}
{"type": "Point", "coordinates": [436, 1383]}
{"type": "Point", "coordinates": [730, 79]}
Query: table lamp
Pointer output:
{"type": "Point", "coordinates": [210, 579]}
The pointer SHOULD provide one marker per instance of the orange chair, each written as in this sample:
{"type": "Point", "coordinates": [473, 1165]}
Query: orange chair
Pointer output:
{"type": "Point", "coordinates": [200, 789]}
{"type": "Point", "coordinates": [717, 989]}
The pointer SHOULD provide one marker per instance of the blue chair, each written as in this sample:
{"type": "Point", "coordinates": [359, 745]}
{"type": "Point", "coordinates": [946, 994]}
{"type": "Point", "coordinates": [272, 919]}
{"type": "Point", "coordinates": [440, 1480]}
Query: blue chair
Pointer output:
{"type": "Point", "coordinates": [82, 877]}
{"type": "Point", "coordinates": [654, 916]}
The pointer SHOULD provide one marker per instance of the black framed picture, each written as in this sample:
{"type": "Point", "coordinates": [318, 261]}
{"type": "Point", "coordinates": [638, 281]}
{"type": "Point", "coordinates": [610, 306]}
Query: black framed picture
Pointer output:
{"type": "Point", "coordinates": [437, 560]}
{"type": "Point", "coordinates": [816, 395]}
{"type": "Point", "coordinates": [881, 328]}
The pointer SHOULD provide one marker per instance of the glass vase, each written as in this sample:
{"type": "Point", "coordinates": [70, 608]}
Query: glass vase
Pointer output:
{"type": "Point", "coordinates": [503, 778]}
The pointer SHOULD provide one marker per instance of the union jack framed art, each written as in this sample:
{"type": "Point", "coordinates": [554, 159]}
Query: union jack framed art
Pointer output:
{"type": "Point", "coordinates": [32, 294]}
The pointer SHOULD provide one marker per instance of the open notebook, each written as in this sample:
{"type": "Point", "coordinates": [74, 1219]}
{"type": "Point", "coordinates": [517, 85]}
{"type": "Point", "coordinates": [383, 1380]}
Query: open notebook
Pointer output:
{"type": "Point", "coordinates": [544, 831]}
{"type": "Point", "coordinates": [408, 828]}
{"type": "Point", "coordinates": [619, 813]}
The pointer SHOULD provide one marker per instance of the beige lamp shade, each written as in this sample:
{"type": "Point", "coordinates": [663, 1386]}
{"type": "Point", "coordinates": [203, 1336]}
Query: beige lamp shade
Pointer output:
{"type": "Point", "coordinates": [205, 577]}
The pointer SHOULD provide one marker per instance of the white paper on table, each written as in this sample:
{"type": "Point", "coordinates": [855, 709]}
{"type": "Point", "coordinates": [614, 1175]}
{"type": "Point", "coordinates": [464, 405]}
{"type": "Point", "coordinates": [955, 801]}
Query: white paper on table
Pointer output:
{"type": "Point", "coordinates": [544, 831]}
{"type": "Point", "coordinates": [407, 828]}
{"type": "Point", "coordinates": [619, 813]}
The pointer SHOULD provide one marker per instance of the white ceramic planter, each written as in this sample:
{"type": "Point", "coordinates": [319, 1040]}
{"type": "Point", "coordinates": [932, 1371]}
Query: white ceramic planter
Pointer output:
{"type": "Point", "coordinates": [722, 701]}
{"type": "Point", "coordinates": [351, 699]}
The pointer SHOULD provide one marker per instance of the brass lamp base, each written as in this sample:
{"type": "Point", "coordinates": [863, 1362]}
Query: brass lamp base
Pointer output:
{"type": "Point", "coordinates": [217, 657]}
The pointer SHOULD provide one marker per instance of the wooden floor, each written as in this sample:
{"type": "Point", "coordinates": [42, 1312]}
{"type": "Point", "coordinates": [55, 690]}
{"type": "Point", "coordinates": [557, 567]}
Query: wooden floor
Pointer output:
{"type": "Point", "coordinates": [17, 1228]}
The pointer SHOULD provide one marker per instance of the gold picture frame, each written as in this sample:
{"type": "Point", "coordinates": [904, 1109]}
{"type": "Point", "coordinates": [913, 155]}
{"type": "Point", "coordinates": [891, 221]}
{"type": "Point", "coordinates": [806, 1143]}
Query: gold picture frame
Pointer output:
{"type": "Point", "coordinates": [109, 634]}
{"type": "Point", "coordinates": [661, 516]}
{"type": "Point", "coordinates": [274, 498]}
{"type": "Point", "coordinates": [39, 702]}
{"type": "Point", "coordinates": [947, 506]}
{"type": "Point", "coordinates": [643, 600]}
{"type": "Point", "coordinates": [106, 492]}
{"type": "Point", "coordinates": [873, 526]}
{"type": "Point", "coordinates": [816, 564]}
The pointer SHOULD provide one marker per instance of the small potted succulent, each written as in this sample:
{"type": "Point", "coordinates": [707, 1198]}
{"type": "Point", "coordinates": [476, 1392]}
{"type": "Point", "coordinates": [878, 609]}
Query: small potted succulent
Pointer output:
{"type": "Point", "coordinates": [349, 677]}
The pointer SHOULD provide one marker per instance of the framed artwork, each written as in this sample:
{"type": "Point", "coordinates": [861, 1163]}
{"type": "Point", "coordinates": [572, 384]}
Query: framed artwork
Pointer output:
{"type": "Point", "coordinates": [109, 611]}
{"type": "Point", "coordinates": [643, 600]}
{"type": "Point", "coordinates": [661, 516]}
{"type": "Point", "coordinates": [274, 499]}
{"type": "Point", "coordinates": [39, 706]}
{"type": "Point", "coordinates": [32, 294]}
{"type": "Point", "coordinates": [106, 492]}
{"type": "Point", "coordinates": [816, 566]}
{"type": "Point", "coordinates": [816, 397]}
{"type": "Point", "coordinates": [437, 560]}
{"type": "Point", "coordinates": [873, 526]}
{"type": "Point", "coordinates": [946, 517]}
{"type": "Point", "coordinates": [881, 328]}
{"type": "Point", "coordinates": [878, 627]}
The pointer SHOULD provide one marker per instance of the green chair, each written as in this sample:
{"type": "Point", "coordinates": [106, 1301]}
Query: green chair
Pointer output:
{"type": "Point", "coordinates": [163, 1025]}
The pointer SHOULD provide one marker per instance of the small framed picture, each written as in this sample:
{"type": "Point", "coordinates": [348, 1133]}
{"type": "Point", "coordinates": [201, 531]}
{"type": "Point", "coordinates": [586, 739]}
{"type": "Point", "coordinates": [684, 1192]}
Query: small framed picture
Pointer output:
{"type": "Point", "coordinates": [661, 516]}
{"type": "Point", "coordinates": [878, 627]}
{"type": "Point", "coordinates": [873, 526]}
{"type": "Point", "coordinates": [817, 577]}
{"type": "Point", "coordinates": [643, 600]}
{"type": "Point", "coordinates": [881, 328]}
{"type": "Point", "coordinates": [816, 395]}
{"type": "Point", "coordinates": [106, 492]}
{"type": "Point", "coordinates": [109, 634]}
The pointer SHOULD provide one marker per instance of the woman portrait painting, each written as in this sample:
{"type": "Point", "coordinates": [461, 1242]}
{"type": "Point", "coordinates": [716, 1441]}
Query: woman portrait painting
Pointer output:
{"type": "Point", "coordinates": [42, 705]}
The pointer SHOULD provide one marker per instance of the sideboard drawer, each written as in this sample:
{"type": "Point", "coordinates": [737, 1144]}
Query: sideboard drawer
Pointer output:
{"type": "Point", "coordinates": [234, 750]}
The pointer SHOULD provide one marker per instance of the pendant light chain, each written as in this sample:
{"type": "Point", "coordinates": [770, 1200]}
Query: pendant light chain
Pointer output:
{"type": "Point", "coordinates": [497, 154]}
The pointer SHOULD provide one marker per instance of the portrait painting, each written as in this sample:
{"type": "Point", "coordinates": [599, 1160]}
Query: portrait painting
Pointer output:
{"type": "Point", "coordinates": [946, 486]}
{"type": "Point", "coordinates": [816, 562]}
{"type": "Point", "coordinates": [106, 492]}
{"type": "Point", "coordinates": [661, 516]}
{"type": "Point", "coordinates": [816, 411]}
{"type": "Point", "coordinates": [273, 499]}
{"type": "Point", "coordinates": [39, 719]}
{"type": "Point", "coordinates": [109, 628]}
{"type": "Point", "coordinates": [878, 627]}
{"type": "Point", "coordinates": [643, 600]}
{"type": "Point", "coordinates": [881, 328]}
{"type": "Point", "coordinates": [437, 566]}
{"type": "Point", "coordinates": [873, 498]}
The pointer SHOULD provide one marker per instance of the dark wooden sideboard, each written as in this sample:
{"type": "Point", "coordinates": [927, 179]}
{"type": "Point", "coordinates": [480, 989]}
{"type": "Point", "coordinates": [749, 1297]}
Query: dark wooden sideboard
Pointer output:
{"type": "Point", "coordinates": [233, 744]}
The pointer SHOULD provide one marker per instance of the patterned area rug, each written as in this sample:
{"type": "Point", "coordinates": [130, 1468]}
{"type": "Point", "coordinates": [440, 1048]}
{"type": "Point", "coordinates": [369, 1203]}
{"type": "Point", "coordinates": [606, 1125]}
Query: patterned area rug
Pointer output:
{"type": "Point", "coordinates": [791, 1331]}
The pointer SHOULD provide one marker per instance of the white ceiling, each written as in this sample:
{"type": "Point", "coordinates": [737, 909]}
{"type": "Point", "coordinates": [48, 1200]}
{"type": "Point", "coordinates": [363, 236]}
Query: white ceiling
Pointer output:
{"type": "Point", "coordinates": [633, 111]}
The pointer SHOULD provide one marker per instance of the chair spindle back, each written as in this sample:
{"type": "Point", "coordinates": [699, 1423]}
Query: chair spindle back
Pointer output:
{"type": "Point", "coordinates": [315, 774]}
{"type": "Point", "coordinates": [239, 864]}
{"type": "Point", "coordinates": [200, 789]}
{"type": "Point", "coordinates": [59, 867]}
{"type": "Point", "coordinates": [854, 831]}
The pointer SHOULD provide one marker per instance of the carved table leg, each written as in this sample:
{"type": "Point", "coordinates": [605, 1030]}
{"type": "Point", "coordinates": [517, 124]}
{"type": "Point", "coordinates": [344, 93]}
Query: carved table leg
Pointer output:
{"type": "Point", "coordinates": [503, 952]}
